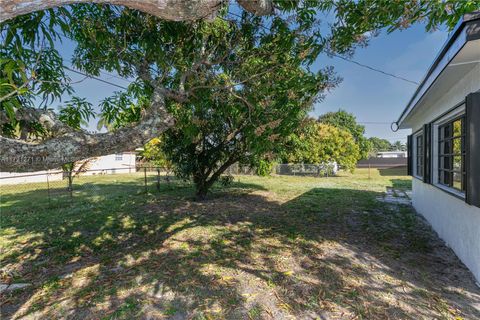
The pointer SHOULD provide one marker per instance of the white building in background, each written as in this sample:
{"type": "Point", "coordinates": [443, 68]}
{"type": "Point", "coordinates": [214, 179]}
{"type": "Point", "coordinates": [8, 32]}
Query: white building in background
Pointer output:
{"type": "Point", "coordinates": [392, 154]}
{"type": "Point", "coordinates": [112, 163]}
{"type": "Point", "coordinates": [444, 149]}
{"type": "Point", "coordinates": [109, 164]}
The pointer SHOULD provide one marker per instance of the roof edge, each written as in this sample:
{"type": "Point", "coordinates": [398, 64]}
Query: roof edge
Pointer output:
{"type": "Point", "coordinates": [471, 18]}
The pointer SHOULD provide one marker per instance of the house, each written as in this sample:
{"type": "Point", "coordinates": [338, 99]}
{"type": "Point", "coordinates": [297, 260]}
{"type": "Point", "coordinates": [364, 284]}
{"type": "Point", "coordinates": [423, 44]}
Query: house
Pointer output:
{"type": "Point", "coordinates": [110, 164]}
{"type": "Point", "coordinates": [113, 163]}
{"type": "Point", "coordinates": [392, 154]}
{"type": "Point", "coordinates": [444, 149]}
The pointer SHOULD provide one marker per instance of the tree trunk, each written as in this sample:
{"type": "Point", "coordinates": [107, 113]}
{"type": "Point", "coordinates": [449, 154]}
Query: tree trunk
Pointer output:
{"type": "Point", "coordinates": [177, 10]}
{"type": "Point", "coordinates": [201, 192]}
{"type": "Point", "coordinates": [203, 183]}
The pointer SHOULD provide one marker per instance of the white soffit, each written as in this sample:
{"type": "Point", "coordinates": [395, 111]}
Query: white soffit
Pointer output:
{"type": "Point", "coordinates": [465, 60]}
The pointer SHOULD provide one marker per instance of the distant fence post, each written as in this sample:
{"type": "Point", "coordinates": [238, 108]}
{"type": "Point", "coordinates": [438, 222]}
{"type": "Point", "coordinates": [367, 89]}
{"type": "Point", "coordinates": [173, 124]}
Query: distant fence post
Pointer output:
{"type": "Point", "coordinates": [145, 178]}
{"type": "Point", "coordinates": [48, 190]}
{"type": "Point", "coordinates": [70, 183]}
{"type": "Point", "coordinates": [158, 179]}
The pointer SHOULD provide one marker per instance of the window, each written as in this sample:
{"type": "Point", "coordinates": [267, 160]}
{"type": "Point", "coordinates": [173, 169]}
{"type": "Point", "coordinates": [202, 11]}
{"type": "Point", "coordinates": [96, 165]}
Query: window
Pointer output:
{"type": "Point", "coordinates": [419, 170]}
{"type": "Point", "coordinates": [118, 156]}
{"type": "Point", "coordinates": [451, 154]}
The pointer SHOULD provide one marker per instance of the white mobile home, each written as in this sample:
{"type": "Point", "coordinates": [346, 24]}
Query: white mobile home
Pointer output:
{"type": "Point", "coordinates": [113, 163]}
{"type": "Point", "coordinates": [110, 164]}
{"type": "Point", "coordinates": [444, 149]}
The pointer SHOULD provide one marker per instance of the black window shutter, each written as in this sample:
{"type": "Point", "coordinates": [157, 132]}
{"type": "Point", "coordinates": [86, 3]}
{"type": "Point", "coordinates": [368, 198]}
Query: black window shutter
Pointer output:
{"type": "Point", "coordinates": [427, 147]}
{"type": "Point", "coordinates": [472, 161]}
{"type": "Point", "coordinates": [409, 155]}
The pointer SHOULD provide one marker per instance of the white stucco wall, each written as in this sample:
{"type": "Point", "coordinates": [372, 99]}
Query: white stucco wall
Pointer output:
{"type": "Point", "coordinates": [102, 165]}
{"type": "Point", "coordinates": [456, 222]}
{"type": "Point", "coordinates": [108, 164]}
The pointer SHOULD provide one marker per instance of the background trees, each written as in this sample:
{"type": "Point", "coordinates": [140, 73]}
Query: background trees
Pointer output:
{"type": "Point", "coordinates": [347, 121]}
{"type": "Point", "coordinates": [321, 143]}
{"type": "Point", "coordinates": [379, 145]}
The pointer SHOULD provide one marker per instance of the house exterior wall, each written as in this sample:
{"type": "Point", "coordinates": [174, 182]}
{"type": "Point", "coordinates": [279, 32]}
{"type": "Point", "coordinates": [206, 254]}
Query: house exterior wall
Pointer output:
{"type": "Point", "coordinates": [392, 154]}
{"type": "Point", "coordinates": [111, 164]}
{"type": "Point", "coordinates": [456, 222]}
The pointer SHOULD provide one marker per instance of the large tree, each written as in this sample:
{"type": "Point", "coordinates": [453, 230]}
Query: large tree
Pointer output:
{"type": "Point", "coordinates": [245, 112]}
{"type": "Point", "coordinates": [31, 68]}
{"type": "Point", "coordinates": [162, 57]}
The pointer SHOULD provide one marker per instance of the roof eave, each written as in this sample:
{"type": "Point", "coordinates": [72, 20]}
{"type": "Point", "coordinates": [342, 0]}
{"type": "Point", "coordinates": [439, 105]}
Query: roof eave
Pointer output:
{"type": "Point", "coordinates": [467, 29]}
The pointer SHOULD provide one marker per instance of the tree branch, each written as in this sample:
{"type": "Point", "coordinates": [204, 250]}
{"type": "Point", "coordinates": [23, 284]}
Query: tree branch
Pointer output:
{"type": "Point", "coordinates": [16, 155]}
{"type": "Point", "coordinates": [46, 118]}
{"type": "Point", "coordinates": [176, 10]}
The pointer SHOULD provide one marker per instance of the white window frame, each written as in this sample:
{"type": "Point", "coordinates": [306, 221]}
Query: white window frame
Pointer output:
{"type": "Point", "coordinates": [118, 156]}
{"type": "Point", "coordinates": [414, 151]}
{"type": "Point", "coordinates": [444, 119]}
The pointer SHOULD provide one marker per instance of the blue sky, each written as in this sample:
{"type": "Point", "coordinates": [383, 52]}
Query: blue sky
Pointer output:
{"type": "Point", "coordinates": [370, 96]}
{"type": "Point", "coordinates": [374, 97]}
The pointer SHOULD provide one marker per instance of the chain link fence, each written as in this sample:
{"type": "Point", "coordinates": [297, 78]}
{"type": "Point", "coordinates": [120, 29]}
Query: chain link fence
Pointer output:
{"type": "Point", "coordinates": [296, 169]}
{"type": "Point", "coordinates": [57, 187]}
{"type": "Point", "coordinates": [50, 187]}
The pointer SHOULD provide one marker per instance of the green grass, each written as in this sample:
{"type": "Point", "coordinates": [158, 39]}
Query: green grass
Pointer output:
{"type": "Point", "coordinates": [263, 248]}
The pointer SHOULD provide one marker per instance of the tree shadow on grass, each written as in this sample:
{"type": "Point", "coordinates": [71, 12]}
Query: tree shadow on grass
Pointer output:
{"type": "Point", "coordinates": [393, 171]}
{"type": "Point", "coordinates": [328, 252]}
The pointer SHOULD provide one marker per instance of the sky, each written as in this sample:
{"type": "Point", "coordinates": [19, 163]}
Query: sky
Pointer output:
{"type": "Point", "coordinates": [374, 98]}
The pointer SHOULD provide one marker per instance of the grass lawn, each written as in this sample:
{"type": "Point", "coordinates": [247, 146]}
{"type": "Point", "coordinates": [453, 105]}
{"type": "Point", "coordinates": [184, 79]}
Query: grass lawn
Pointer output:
{"type": "Point", "coordinates": [263, 248]}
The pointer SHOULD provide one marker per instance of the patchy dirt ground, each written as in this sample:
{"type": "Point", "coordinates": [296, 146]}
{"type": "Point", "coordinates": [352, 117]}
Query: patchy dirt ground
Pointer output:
{"type": "Point", "coordinates": [281, 248]}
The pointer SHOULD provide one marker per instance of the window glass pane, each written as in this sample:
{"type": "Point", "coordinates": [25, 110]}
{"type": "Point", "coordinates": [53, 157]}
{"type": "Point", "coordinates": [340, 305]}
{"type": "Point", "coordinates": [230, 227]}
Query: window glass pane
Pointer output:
{"type": "Point", "coordinates": [457, 146]}
{"type": "Point", "coordinates": [457, 181]}
{"type": "Point", "coordinates": [446, 178]}
{"type": "Point", "coordinates": [447, 131]}
{"type": "Point", "coordinates": [447, 163]}
{"type": "Point", "coordinates": [457, 163]}
{"type": "Point", "coordinates": [457, 128]}
{"type": "Point", "coordinates": [451, 157]}
{"type": "Point", "coordinates": [447, 147]}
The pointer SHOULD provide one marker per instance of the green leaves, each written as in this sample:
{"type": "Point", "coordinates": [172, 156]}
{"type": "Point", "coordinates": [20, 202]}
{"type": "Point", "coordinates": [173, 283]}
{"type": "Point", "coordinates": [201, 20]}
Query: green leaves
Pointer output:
{"type": "Point", "coordinates": [318, 143]}
{"type": "Point", "coordinates": [347, 121]}
{"type": "Point", "coordinates": [76, 112]}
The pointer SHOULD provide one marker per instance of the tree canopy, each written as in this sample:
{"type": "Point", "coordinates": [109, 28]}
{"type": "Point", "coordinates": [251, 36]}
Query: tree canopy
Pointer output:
{"type": "Point", "coordinates": [170, 63]}
{"type": "Point", "coordinates": [378, 145]}
{"type": "Point", "coordinates": [321, 143]}
{"type": "Point", "coordinates": [347, 121]}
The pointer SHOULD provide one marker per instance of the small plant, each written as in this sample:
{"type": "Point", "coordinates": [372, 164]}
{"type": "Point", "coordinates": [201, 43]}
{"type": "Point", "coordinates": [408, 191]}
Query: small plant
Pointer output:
{"type": "Point", "coordinates": [264, 168]}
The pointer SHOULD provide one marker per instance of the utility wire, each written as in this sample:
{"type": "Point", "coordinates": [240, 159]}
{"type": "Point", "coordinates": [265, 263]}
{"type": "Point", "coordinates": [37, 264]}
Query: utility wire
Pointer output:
{"type": "Point", "coordinates": [264, 27]}
{"type": "Point", "coordinates": [93, 77]}
{"type": "Point", "coordinates": [372, 68]}
{"type": "Point", "coordinates": [351, 60]}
